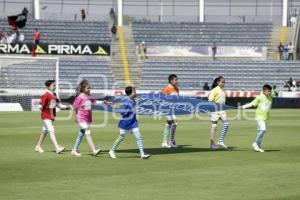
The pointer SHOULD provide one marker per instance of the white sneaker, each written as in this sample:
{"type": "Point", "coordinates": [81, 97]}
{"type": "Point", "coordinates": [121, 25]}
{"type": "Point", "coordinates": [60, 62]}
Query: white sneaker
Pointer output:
{"type": "Point", "coordinates": [96, 152]}
{"type": "Point", "coordinates": [261, 150]}
{"type": "Point", "coordinates": [38, 149]}
{"type": "Point", "coordinates": [75, 152]}
{"type": "Point", "coordinates": [214, 147]}
{"type": "Point", "coordinates": [60, 149]}
{"type": "Point", "coordinates": [173, 145]}
{"type": "Point", "coordinates": [145, 156]}
{"type": "Point", "coordinates": [165, 145]}
{"type": "Point", "coordinates": [112, 154]}
{"type": "Point", "coordinates": [256, 148]}
{"type": "Point", "coordinates": [222, 145]}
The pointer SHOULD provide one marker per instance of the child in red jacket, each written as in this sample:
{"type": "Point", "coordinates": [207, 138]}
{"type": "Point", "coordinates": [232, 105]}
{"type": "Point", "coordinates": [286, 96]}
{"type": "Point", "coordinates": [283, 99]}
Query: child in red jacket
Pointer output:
{"type": "Point", "coordinates": [48, 103]}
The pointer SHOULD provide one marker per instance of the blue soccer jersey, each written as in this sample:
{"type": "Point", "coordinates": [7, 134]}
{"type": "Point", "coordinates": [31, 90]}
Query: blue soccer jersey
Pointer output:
{"type": "Point", "coordinates": [128, 114]}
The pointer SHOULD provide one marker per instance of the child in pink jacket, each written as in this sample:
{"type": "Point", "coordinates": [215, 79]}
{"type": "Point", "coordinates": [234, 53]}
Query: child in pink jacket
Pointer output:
{"type": "Point", "coordinates": [83, 109]}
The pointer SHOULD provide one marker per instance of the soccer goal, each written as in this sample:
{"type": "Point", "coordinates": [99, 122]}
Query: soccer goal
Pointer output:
{"type": "Point", "coordinates": [26, 75]}
{"type": "Point", "coordinates": [22, 78]}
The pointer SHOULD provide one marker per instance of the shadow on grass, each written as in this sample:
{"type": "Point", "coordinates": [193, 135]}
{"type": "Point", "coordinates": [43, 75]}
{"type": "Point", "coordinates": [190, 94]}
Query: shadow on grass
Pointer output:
{"type": "Point", "coordinates": [160, 151]}
{"type": "Point", "coordinates": [271, 150]}
{"type": "Point", "coordinates": [180, 149]}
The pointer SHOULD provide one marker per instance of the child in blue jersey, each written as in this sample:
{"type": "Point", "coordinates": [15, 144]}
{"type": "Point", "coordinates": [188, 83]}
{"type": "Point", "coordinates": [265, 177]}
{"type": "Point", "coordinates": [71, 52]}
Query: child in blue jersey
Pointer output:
{"type": "Point", "coordinates": [129, 123]}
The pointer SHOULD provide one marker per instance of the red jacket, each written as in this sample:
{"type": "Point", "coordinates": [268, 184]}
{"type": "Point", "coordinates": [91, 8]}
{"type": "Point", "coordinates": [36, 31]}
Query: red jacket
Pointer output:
{"type": "Point", "coordinates": [36, 35]}
{"type": "Point", "coordinates": [49, 102]}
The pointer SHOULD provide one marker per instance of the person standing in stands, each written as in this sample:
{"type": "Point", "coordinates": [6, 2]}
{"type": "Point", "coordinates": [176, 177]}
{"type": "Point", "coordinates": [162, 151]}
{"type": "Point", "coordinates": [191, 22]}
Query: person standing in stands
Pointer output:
{"type": "Point", "coordinates": [289, 84]}
{"type": "Point", "coordinates": [141, 51]}
{"type": "Point", "coordinates": [112, 16]}
{"type": "Point", "coordinates": [36, 37]}
{"type": "Point", "coordinates": [290, 51]}
{"type": "Point", "coordinates": [2, 35]}
{"type": "Point", "coordinates": [25, 12]}
{"type": "Point", "coordinates": [113, 32]}
{"type": "Point", "coordinates": [286, 52]}
{"type": "Point", "coordinates": [280, 50]}
{"type": "Point", "coordinates": [214, 51]}
{"type": "Point", "coordinates": [12, 36]}
{"type": "Point", "coordinates": [82, 14]}
{"type": "Point", "coordinates": [293, 18]}
{"type": "Point", "coordinates": [274, 91]}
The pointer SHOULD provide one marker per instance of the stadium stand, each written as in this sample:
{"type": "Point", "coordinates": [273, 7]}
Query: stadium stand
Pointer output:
{"type": "Point", "coordinates": [32, 74]}
{"type": "Point", "coordinates": [65, 32]}
{"type": "Point", "coordinates": [239, 75]}
{"type": "Point", "coordinates": [202, 34]}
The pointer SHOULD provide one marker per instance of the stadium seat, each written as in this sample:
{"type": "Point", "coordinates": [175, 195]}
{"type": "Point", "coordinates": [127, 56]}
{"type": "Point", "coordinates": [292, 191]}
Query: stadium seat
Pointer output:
{"type": "Point", "coordinates": [239, 75]}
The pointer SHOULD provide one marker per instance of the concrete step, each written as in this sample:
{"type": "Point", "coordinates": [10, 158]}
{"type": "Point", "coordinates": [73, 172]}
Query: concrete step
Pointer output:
{"type": "Point", "coordinates": [135, 66]}
{"type": "Point", "coordinates": [271, 54]}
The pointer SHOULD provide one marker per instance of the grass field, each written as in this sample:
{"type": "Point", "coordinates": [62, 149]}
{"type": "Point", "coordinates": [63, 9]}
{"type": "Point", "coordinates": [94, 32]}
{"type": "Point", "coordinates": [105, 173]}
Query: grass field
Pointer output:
{"type": "Point", "coordinates": [190, 172]}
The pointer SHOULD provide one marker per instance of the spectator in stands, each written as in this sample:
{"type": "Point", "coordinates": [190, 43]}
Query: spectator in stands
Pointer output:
{"type": "Point", "coordinates": [286, 52]}
{"type": "Point", "coordinates": [25, 11]}
{"type": "Point", "coordinates": [21, 37]}
{"type": "Point", "coordinates": [113, 32]}
{"type": "Point", "coordinates": [290, 81]}
{"type": "Point", "coordinates": [4, 38]}
{"type": "Point", "coordinates": [36, 36]}
{"type": "Point", "coordinates": [274, 91]}
{"type": "Point", "coordinates": [294, 87]}
{"type": "Point", "coordinates": [288, 84]}
{"type": "Point", "coordinates": [296, 12]}
{"type": "Point", "coordinates": [298, 83]}
{"type": "Point", "coordinates": [11, 37]}
{"type": "Point", "coordinates": [293, 18]}
{"type": "Point", "coordinates": [281, 50]}
{"type": "Point", "coordinates": [293, 21]}
{"type": "Point", "coordinates": [291, 85]}
{"type": "Point", "coordinates": [16, 31]}
{"type": "Point", "coordinates": [290, 51]}
{"type": "Point", "coordinates": [206, 87]}
{"type": "Point", "coordinates": [143, 51]}
{"type": "Point", "coordinates": [2, 35]}
{"type": "Point", "coordinates": [82, 14]}
{"type": "Point", "coordinates": [112, 16]}
{"type": "Point", "coordinates": [214, 51]}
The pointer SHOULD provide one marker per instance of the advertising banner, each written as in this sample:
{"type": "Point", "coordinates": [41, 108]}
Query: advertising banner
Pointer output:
{"type": "Point", "coordinates": [206, 51]}
{"type": "Point", "coordinates": [56, 49]}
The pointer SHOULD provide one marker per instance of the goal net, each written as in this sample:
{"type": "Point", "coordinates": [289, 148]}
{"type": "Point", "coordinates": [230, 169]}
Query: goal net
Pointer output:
{"type": "Point", "coordinates": [22, 78]}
